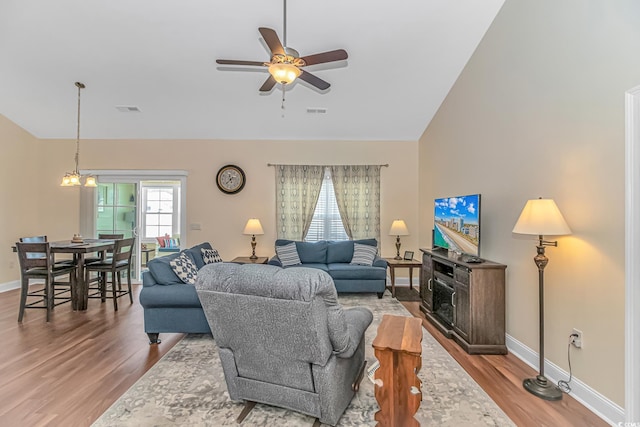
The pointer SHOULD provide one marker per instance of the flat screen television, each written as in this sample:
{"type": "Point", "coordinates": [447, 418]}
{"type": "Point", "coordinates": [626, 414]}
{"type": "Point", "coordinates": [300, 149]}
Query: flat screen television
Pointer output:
{"type": "Point", "coordinates": [456, 224]}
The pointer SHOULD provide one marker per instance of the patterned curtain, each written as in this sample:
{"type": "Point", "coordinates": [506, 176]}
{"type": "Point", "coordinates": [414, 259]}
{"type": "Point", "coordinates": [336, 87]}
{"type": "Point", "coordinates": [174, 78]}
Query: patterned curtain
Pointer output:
{"type": "Point", "coordinates": [297, 191]}
{"type": "Point", "coordinates": [358, 195]}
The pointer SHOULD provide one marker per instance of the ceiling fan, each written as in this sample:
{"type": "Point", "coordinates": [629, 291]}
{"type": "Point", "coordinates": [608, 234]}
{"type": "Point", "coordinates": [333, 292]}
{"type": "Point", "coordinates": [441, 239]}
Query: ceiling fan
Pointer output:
{"type": "Point", "coordinates": [286, 64]}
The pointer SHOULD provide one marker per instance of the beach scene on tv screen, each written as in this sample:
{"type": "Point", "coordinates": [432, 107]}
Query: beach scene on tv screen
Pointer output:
{"type": "Point", "coordinates": [456, 223]}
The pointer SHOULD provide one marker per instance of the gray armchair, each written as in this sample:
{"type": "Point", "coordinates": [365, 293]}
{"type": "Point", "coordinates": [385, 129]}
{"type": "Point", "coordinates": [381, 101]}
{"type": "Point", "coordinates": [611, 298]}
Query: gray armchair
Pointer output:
{"type": "Point", "coordinates": [284, 340]}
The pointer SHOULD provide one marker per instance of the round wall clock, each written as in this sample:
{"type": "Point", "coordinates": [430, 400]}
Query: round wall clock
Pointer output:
{"type": "Point", "coordinates": [230, 179]}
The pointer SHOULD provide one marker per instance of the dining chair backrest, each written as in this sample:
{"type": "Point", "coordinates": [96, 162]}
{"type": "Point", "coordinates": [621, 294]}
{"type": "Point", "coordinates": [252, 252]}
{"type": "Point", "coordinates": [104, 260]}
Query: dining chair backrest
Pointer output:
{"type": "Point", "coordinates": [122, 250]}
{"type": "Point", "coordinates": [111, 236]}
{"type": "Point", "coordinates": [34, 239]}
{"type": "Point", "coordinates": [28, 261]}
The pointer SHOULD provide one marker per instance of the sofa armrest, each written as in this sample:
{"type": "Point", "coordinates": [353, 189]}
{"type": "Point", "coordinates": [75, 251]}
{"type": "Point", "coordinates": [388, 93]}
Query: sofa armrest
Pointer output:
{"type": "Point", "coordinates": [358, 320]}
{"type": "Point", "coordinates": [148, 279]}
{"type": "Point", "coordinates": [379, 262]}
{"type": "Point", "coordinates": [275, 261]}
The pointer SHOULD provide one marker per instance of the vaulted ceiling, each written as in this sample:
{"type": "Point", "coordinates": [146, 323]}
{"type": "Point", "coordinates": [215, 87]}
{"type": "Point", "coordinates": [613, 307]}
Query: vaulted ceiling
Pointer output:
{"type": "Point", "coordinates": [159, 56]}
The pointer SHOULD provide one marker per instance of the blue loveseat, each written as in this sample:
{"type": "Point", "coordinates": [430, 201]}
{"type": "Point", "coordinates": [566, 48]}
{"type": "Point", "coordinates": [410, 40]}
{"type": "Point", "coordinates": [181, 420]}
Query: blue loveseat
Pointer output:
{"type": "Point", "coordinates": [169, 304]}
{"type": "Point", "coordinates": [335, 257]}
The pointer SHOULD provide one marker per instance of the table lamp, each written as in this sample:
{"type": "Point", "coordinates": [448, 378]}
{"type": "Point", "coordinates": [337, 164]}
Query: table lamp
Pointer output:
{"type": "Point", "coordinates": [253, 228]}
{"type": "Point", "coordinates": [541, 217]}
{"type": "Point", "coordinates": [398, 228]}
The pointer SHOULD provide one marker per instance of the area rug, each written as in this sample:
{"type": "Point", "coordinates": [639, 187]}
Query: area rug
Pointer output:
{"type": "Point", "coordinates": [403, 293]}
{"type": "Point", "coordinates": [187, 388]}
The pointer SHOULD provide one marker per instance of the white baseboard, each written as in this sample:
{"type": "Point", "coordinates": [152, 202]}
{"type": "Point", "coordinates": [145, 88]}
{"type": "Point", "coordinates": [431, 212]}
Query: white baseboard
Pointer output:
{"type": "Point", "coordinates": [590, 398]}
{"type": "Point", "coordinates": [9, 286]}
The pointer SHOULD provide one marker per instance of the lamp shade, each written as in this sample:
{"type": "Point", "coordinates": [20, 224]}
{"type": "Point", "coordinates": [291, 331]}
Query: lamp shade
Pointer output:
{"type": "Point", "coordinates": [253, 227]}
{"type": "Point", "coordinates": [284, 73]}
{"type": "Point", "coordinates": [398, 228]}
{"type": "Point", "coordinates": [541, 217]}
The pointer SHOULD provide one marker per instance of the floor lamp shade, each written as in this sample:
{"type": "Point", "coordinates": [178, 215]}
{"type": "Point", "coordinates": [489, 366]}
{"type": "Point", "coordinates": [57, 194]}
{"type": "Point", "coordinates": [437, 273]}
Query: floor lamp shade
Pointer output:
{"type": "Point", "coordinates": [541, 217]}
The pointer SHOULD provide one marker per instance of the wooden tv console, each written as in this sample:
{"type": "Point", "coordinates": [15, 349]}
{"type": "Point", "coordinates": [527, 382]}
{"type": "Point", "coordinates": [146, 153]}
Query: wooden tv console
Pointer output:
{"type": "Point", "coordinates": [464, 300]}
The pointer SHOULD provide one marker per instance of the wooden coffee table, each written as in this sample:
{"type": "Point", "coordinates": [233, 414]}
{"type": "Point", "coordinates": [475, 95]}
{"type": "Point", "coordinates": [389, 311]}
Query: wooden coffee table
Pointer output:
{"type": "Point", "coordinates": [398, 348]}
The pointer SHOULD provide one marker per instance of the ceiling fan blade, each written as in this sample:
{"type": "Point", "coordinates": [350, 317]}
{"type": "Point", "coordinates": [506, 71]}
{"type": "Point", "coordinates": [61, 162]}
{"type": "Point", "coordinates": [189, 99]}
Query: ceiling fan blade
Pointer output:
{"type": "Point", "coordinates": [268, 84]}
{"type": "Point", "coordinates": [313, 80]}
{"type": "Point", "coordinates": [272, 40]}
{"type": "Point", "coordinates": [236, 62]}
{"type": "Point", "coordinates": [321, 58]}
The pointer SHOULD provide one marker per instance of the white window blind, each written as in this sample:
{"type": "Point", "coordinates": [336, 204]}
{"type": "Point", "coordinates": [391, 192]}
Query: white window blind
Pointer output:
{"type": "Point", "coordinates": [326, 223]}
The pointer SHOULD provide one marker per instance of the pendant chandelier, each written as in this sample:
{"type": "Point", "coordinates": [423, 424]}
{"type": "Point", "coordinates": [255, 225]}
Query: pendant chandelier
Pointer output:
{"type": "Point", "coordinates": [72, 179]}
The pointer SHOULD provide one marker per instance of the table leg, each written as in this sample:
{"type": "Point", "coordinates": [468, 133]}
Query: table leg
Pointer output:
{"type": "Point", "coordinates": [410, 277]}
{"type": "Point", "coordinates": [81, 296]}
{"type": "Point", "coordinates": [393, 281]}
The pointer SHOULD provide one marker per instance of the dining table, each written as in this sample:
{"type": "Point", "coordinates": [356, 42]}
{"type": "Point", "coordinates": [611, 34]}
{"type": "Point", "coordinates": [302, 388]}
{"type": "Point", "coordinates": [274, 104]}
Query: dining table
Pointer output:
{"type": "Point", "coordinates": [80, 298]}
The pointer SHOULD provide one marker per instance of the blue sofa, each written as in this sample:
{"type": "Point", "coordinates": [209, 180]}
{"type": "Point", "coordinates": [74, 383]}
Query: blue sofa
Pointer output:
{"type": "Point", "coordinates": [334, 257]}
{"type": "Point", "coordinates": [169, 304]}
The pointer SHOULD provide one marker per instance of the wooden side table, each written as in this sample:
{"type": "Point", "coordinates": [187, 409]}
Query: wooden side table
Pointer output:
{"type": "Point", "coordinates": [398, 348]}
{"type": "Point", "coordinates": [401, 263]}
{"type": "Point", "coordinates": [248, 260]}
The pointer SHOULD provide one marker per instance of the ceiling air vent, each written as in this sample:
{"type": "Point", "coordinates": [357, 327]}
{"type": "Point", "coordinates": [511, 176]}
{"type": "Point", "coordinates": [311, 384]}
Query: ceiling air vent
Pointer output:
{"type": "Point", "coordinates": [127, 108]}
{"type": "Point", "coordinates": [316, 110]}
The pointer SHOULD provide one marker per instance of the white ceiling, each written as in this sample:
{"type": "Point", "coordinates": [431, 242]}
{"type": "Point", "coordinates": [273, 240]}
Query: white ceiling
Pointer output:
{"type": "Point", "coordinates": [159, 55]}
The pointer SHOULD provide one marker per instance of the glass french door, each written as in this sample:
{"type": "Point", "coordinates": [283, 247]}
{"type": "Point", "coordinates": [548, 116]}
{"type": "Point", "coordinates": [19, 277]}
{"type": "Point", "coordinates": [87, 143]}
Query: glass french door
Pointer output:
{"type": "Point", "coordinates": [140, 204]}
{"type": "Point", "coordinates": [117, 213]}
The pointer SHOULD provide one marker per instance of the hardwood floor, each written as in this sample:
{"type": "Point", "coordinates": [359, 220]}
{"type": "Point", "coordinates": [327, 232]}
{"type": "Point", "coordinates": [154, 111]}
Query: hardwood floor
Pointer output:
{"type": "Point", "coordinates": [69, 371]}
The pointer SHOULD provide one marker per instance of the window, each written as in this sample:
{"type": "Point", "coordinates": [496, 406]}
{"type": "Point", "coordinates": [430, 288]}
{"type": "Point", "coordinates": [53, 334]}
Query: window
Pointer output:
{"type": "Point", "coordinates": [326, 223]}
{"type": "Point", "coordinates": [161, 212]}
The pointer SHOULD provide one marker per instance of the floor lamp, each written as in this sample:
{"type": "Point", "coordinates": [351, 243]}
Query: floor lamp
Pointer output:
{"type": "Point", "coordinates": [541, 217]}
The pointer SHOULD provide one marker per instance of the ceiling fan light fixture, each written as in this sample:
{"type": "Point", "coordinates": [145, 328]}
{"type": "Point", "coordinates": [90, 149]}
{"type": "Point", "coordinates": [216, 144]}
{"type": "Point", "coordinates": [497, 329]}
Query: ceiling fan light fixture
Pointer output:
{"type": "Point", "coordinates": [284, 73]}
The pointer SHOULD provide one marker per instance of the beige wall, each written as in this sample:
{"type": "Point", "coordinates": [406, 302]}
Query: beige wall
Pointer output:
{"type": "Point", "coordinates": [18, 178]}
{"type": "Point", "coordinates": [222, 217]}
{"type": "Point", "coordinates": [539, 111]}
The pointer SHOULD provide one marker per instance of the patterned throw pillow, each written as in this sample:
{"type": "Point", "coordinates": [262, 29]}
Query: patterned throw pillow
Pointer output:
{"type": "Point", "coordinates": [363, 254]}
{"type": "Point", "coordinates": [210, 256]}
{"type": "Point", "coordinates": [184, 268]}
{"type": "Point", "coordinates": [288, 254]}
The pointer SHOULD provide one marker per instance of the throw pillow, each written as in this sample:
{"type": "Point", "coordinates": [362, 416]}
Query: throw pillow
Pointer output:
{"type": "Point", "coordinates": [210, 256]}
{"type": "Point", "coordinates": [288, 254]}
{"type": "Point", "coordinates": [185, 269]}
{"type": "Point", "coordinates": [363, 254]}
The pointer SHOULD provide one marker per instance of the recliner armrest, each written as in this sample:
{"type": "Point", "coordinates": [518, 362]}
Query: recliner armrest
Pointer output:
{"type": "Point", "coordinates": [358, 320]}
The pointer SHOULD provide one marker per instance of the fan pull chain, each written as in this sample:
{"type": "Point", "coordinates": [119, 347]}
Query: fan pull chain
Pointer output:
{"type": "Point", "coordinates": [282, 105]}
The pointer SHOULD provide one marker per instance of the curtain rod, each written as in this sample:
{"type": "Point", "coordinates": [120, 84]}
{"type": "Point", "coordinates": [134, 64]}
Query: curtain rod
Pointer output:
{"type": "Point", "coordinates": [386, 165]}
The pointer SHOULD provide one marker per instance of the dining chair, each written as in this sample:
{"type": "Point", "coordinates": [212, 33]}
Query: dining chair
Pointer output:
{"type": "Point", "coordinates": [119, 261]}
{"type": "Point", "coordinates": [44, 269]}
{"type": "Point", "coordinates": [95, 291]}
{"type": "Point", "coordinates": [42, 239]}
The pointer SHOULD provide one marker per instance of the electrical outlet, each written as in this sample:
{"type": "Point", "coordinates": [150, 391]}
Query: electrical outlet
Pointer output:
{"type": "Point", "coordinates": [576, 338]}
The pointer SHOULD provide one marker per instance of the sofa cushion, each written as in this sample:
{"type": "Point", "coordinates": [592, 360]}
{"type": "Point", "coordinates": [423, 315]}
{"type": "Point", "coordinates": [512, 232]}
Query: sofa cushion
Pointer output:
{"type": "Point", "coordinates": [288, 254]}
{"type": "Point", "coordinates": [185, 268]}
{"type": "Point", "coordinates": [345, 271]}
{"type": "Point", "coordinates": [342, 251]}
{"type": "Point", "coordinates": [363, 254]}
{"type": "Point", "coordinates": [162, 272]}
{"type": "Point", "coordinates": [309, 252]}
{"type": "Point", "coordinates": [196, 253]}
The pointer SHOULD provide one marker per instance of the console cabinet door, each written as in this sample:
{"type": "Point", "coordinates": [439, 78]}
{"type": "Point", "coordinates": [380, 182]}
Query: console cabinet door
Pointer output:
{"type": "Point", "coordinates": [426, 285]}
{"type": "Point", "coordinates": [462, 310]}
